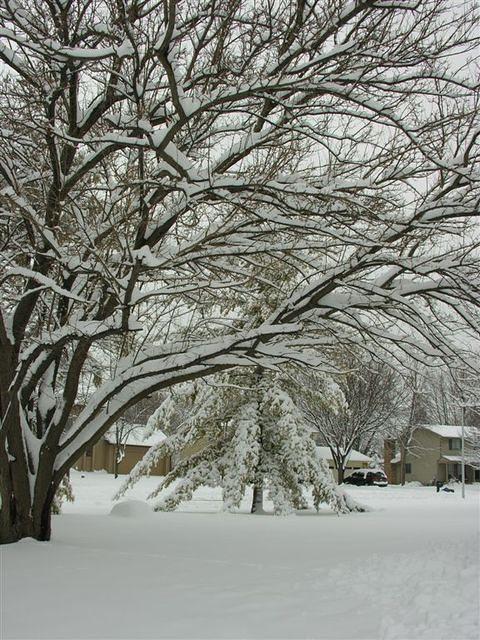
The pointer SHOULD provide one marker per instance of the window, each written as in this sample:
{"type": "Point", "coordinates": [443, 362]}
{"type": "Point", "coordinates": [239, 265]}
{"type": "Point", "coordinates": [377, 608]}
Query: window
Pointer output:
{"type": "Point", "coordinates": [408, 467]}
{"type": "Point", "coordinates": [454, 444]}
{"type": "Point", "coordinates": [89, 452]}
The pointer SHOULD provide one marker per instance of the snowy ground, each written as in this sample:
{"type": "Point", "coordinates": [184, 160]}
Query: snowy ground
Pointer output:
{"type": "Point", "coordinates": [407, 569]}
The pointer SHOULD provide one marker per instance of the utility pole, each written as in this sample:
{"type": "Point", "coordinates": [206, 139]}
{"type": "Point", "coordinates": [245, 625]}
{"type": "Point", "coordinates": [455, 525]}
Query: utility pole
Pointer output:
{"type": "Point", "coordinates": [463, 450]}
{"type": "Point", "coordinates": [462, 397]}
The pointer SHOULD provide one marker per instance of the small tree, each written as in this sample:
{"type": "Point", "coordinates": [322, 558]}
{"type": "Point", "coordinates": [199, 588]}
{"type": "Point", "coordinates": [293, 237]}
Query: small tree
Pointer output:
{"type": "Point", "coordinates": [120, 432]}
{"type": "Point", "coordinates": [63, 493]}
{"type": "Point", "coordinates": [251, 433]}
{"type": "Point", "coordinates": [133, 419]}
{"type": "Point", "coordinates": [366, 401]}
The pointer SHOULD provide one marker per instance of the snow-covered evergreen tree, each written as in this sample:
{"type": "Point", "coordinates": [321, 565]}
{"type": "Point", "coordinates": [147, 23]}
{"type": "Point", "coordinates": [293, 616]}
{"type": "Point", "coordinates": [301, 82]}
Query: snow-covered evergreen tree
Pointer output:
{"type": "Point", "coordinates": [63, 493]}
{"type": "Point", "coordinates": [247, 431]}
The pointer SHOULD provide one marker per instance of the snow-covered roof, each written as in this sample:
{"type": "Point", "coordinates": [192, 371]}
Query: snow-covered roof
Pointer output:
{"type": "Point", "coordinates": [355, 456]}
{"type": "Point", "coordinates": [445, 430]}
{"type": "Point", "coordinates": [136, 436]}
{"type": "Point", "coordinates": [452, 458]}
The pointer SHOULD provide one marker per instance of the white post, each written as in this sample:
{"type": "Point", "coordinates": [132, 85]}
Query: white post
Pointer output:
{"type": "Point", "coordinates": [463, 451]}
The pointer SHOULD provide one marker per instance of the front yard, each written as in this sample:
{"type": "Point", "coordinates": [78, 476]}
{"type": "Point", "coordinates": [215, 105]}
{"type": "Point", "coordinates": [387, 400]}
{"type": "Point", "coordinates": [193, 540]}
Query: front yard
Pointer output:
{"type": "Point", "coordinates": [406, 569]}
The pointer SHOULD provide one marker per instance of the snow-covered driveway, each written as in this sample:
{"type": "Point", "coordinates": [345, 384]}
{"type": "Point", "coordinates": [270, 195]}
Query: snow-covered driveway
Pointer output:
{"type": "Point", "coordinates": [408, 569]}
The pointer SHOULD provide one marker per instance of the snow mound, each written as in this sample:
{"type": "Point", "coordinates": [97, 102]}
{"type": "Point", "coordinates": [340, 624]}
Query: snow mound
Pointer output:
{"type": "Point", "coordinates": [131, 509]}
{"type": "Point", "coordinates": [353, 505]}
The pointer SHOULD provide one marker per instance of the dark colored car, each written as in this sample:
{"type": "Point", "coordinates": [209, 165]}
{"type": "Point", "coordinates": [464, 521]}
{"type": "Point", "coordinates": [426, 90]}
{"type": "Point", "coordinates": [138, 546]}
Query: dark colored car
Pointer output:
{"type": "Point", "coordinates": [375, 477]}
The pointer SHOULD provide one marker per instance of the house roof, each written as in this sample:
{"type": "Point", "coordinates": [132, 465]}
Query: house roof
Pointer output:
{"type": "Point", "coordinates": [355, 456]}
{"type": "Point", "coordinates": [136, 436]}
{"type": "Point", "coordinates": [451, 458]}
{"type": "Point", "coordinates": [445, 430]}
{"type": "Point", "coordinates": [468, 461]}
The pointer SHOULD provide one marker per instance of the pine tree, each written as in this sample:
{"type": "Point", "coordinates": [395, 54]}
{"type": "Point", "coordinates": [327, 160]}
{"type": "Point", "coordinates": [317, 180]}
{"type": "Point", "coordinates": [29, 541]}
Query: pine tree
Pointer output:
{"type": "Point", "coordinates": [63, 493]}
{"type": "Point", "coordinates": [251, 433]}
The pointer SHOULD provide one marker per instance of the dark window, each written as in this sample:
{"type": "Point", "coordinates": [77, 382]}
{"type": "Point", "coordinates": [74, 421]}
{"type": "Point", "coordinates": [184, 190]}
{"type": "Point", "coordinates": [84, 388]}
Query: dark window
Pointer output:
{"type": "Point", "coordinates": [454, 444]}
{"type": "Point", "coordinates": [89, 452]}
{"type": "Point", "coordinates": [408, 467]}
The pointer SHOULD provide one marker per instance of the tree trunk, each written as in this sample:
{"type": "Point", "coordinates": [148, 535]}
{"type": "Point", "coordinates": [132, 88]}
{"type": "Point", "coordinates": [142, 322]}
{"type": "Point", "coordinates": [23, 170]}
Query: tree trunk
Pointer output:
{"type": "Point", "coordinates": [115, 460]}
{"type": "Point", "coordinates": [257, 499]}
{"type": "Point", "coordinates": [20, 516]}
{"type": "Point", "coordinates": [339, 464]}
{"type": "Point", "coordinates": [402, 463]}
{"type": "Point", "coordinates": [19, 520]}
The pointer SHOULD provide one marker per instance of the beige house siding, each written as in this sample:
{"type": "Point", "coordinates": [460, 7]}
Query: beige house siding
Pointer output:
{"type": "Point", "coordinates": [423, 456]}
{"type": "Point", "coordinates": [94, 459]}
{"type": "Point", "coordinates": [102, 458]}
{"type": "Point", "coordinates": [192, 448]}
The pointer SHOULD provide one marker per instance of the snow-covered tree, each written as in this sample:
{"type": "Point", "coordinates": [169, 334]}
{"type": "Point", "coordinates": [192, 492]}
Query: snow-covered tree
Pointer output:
{"type": "Point", "coordinates": [450, 396]}
{"type": "Point", "coordinates": [63, 493]}
{"type": "Point", "coordinates": [133, 419]}
{"type": "Point", "coordinates": [247, 431]}
{"type": "Point", "coordinates": [367, 401]}
{"type": "Point", "coordinates": [152, 152]}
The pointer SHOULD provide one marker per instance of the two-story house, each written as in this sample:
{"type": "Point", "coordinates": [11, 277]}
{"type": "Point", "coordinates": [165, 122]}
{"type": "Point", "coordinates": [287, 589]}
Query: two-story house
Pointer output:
{"type": "Point", "coordinates": [434, 454]}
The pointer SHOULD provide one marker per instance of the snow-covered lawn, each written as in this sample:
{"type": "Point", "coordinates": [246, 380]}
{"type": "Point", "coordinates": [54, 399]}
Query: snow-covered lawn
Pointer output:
{"type": "Point", "coordinates": [407, 569]}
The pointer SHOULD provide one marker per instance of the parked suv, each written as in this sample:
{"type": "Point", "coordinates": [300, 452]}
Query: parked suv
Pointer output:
{"type": "Point", "coordinates": [375, 477]}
